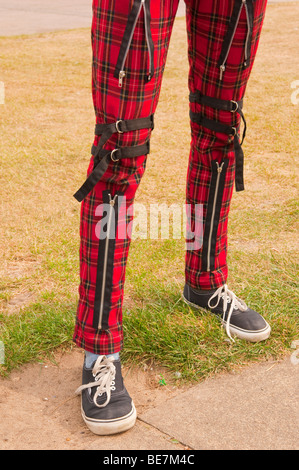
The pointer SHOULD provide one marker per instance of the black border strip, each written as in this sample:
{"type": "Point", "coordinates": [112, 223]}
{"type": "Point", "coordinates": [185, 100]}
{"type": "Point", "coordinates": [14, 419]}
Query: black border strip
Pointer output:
{"type": "Point", "coordinates": [204, 265]}
{"type": "Point", "coordinates": [109, 271]}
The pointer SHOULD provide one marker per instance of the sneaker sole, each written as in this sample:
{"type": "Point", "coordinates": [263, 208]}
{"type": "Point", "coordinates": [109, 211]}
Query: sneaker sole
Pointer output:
{"type": "Point", "coordinates": [113, 426]}
{"type": "Point", "coordinates": [249, 335]}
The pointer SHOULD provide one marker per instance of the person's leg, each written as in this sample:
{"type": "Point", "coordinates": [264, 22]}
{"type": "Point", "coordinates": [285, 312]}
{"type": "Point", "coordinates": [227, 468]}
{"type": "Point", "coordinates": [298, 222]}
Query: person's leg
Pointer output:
{"type": "Point", "coordinates": [130, 41]}
{"type": "Point", "coordinates": [99, 317]}
{"type": "Point", "coordinates": [223, 37]}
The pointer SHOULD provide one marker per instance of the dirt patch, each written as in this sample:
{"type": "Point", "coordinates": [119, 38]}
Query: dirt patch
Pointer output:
{"type": "Point", "coordinates": [39, 410]}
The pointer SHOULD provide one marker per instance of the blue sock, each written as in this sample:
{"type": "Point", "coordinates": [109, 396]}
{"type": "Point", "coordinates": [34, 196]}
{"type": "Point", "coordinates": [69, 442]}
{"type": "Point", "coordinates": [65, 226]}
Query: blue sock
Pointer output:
{"type": "Point", "coordinates": [90, 358]}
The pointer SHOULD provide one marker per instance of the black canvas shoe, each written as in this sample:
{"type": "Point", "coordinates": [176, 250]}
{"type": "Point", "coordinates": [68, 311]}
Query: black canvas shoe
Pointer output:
{"type": "Point", "coordinates": [106, 406]}
{"type": "Point", "coordinates": [238, 319]}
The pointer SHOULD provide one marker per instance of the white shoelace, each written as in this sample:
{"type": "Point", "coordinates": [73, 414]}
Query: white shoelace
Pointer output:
{"type": "Point", "coordinates": [104, 375]}
{"type": "Point", "coordinates": [228, 297]}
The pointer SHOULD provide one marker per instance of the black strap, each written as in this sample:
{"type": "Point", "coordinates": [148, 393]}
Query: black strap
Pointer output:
{"type": "Point", "coordinates": [149, 39]}
{"type": "Point", "coordinates": [122, 126]}
{"type": "Point", "coordinates": [239, 165]}
{"type": "Point", "coordinates": [128, 34]}
{"type": "Point", "coordinates": [230, 31]}
{"type": "Point", "coordinates": [93, 178]}
{"type": "Point", "coordinates": [225, 105]}
{"type": "Point", "coordinates": [103, 156]}
{"type": "Point", "coordinates": [211, 124]}
{"type": "Point", "coordinates": [250, 13]}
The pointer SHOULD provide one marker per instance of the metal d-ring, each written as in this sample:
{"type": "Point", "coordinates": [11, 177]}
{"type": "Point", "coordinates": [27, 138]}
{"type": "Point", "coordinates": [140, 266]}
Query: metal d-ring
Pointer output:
{"type": "Point", "coordinates": [112, 157]}
{"type": "Point", "coordinates": [117, 127]}
{"type": "Point", "coordinates": [234, 131]}
{"type": "Point", "coordinates": [236, 106]}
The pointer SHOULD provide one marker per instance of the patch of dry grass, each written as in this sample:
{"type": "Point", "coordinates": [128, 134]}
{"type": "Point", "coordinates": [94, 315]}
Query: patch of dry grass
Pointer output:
{"type": "Point", "coordinates": [46, 130]}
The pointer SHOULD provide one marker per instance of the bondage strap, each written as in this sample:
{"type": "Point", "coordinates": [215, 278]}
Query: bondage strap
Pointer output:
{"type": "Point", "coordinates": [102, 157]}
{"type": "Point", "coordinates": [224, 105]}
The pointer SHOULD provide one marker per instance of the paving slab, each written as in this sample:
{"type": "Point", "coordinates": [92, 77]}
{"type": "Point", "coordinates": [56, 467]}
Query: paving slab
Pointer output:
{"type": "Point", "coordinates": [40, 411]}
{"type": "Point", "coordinates": [36, 16]}
{"type": "Point", "coordinates": [254, 409]}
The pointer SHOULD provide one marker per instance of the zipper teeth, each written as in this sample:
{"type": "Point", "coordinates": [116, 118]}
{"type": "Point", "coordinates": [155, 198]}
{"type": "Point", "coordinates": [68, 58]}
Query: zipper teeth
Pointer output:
{"type": "Point", "coordinates": [222, 66]}
{"type": "Point", "coordinates": [147, 41]}
{"type": "Point", "coordinates": [112, 203]}
{"type": "Point", "coordinates": [248, 31]}
{"type": "Point", "coordinates": [122, 72]}
{"type": "Point", "coordinates": [219, 170]}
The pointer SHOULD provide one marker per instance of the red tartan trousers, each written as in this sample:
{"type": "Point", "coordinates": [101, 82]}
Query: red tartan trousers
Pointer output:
{"type": "Point", "coordinates": [130, 40]}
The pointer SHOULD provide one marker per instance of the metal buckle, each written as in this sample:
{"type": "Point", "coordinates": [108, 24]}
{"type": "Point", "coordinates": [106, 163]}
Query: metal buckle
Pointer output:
{"type": "Point", "coordinates": [236, 106]}
{"type": "Point", "coordinates": [117, 126]}
{"type": "Point", "coordinates": [112, 157]}
{"type": "Point", "coordinates": [234, 131]}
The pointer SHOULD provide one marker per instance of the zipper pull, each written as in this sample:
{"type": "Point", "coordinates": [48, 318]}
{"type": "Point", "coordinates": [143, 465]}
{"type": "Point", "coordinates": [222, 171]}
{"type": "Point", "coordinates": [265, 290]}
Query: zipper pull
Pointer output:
{"type": "Point", "coordinates": [222, 70]}
{"type": "Point", "coordinates": [121, 76]}
{"type": "Point", "coordinates": [219, 168]}
{"type": "Point", "coordinates": [112, 201]}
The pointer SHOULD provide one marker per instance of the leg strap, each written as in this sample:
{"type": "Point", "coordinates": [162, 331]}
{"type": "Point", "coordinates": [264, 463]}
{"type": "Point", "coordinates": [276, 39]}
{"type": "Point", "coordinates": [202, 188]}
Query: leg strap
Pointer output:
{"type": "Point", "coordinates": [224, 105]}
{"type": "Point", "coordinates": [102, 157]}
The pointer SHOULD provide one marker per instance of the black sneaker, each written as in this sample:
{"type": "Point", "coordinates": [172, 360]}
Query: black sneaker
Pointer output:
{"type": "Point", "coordinates": [106, 406]}
{"type": "Point", "coordinates": [238, 319]}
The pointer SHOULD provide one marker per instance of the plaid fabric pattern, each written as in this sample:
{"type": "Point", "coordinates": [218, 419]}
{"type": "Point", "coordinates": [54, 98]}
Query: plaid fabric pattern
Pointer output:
{"type": "Point", "coordinates": [207, 23]}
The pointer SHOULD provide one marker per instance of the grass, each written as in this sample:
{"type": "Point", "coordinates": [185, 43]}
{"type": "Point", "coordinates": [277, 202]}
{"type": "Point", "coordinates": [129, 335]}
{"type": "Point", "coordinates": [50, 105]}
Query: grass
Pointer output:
{"type": "Point", "coordinates": [45, 326]}
{"type": "Point", "coordinates": [190, 342]}
{"type": "Point", "coordinates": [46, 127]}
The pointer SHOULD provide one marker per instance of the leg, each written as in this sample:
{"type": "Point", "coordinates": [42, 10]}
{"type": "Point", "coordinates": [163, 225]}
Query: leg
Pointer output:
{"type": "Point", "coordinates": [223, 38]}
{"type": "Point", "coordinates": [99, 317]}
{"type": "Point", "coordinates": [129, 42]}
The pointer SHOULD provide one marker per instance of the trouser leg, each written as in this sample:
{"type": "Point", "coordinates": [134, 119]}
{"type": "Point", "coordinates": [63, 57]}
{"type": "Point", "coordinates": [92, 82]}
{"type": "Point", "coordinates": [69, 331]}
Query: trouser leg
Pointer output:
{"type": "Point", "coordinates": [127, 72]}
{"type": "Point", "coordinates": [223, 36]}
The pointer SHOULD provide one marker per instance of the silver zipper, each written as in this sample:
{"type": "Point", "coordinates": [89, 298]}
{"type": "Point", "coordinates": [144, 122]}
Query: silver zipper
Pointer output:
{"type": "Point", "coordinates": [112, 204]}
{"type": "Point", "coordinates": [248, 33]}
{"type": "Point", "coordinates": [122, 72]}
{"type": "Point", "coordinates": [150, 72]}
{"type": "Point", "coordinates": [219, 170]}
{"type": "Point", "coordinates": [222, 66]}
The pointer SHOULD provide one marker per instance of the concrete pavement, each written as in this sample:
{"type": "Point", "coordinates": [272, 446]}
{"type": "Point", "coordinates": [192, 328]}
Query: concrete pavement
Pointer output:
{"type": "Point", "coordinates": [255, 408]}
{"type": "Point", "coordinates": [36, 16]}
